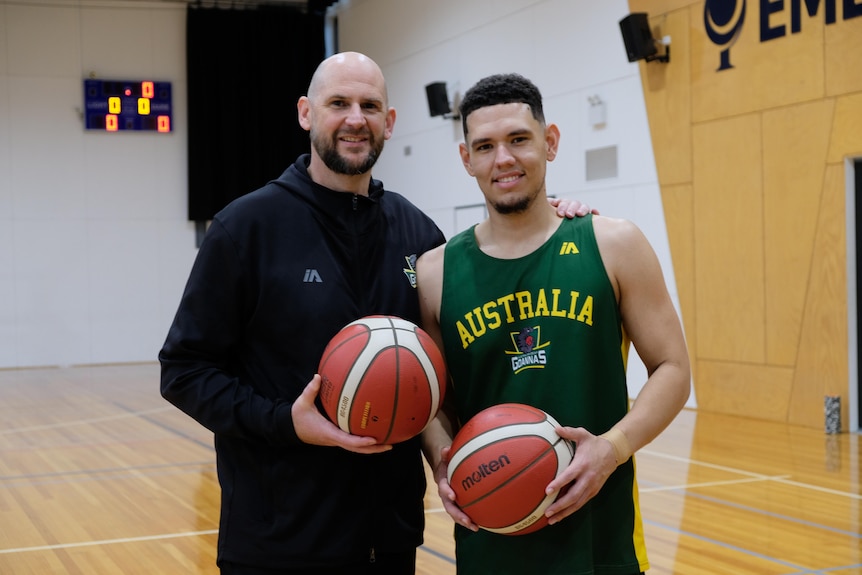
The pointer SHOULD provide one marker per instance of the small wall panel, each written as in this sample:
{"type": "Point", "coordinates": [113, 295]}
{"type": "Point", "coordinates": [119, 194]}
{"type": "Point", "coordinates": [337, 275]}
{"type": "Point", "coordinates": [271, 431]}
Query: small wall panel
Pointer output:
{"type": "Point", "coordinates": [748, 390]}
{"type": "Point", "coordinates": [728, 236]}
{"type": "Point", "coordinates": [822, 366]}
{"type": "Point", "coordinates": [844, 57]}
{"type": "Point", "coordinates": [846, 128]}
{"type": "Point", "coordinates": [795, 142]}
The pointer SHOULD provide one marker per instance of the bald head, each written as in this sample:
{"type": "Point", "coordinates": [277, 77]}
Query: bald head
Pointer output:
{"type": "Point", "coordinates": [351, 67]}
{"type": "Point", "coordinates": [347, 114]}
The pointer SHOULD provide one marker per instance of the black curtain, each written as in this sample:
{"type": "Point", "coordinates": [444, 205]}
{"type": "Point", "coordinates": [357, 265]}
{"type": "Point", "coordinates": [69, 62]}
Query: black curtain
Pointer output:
{"type": "Point", "coordinates": [246, 70]}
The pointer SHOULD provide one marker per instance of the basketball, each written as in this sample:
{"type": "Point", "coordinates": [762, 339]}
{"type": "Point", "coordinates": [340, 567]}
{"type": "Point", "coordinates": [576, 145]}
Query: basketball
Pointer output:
{"type": "Point", "coordinates": [383, 377]}
{"type": "Point", "coordinates": [500, 463]}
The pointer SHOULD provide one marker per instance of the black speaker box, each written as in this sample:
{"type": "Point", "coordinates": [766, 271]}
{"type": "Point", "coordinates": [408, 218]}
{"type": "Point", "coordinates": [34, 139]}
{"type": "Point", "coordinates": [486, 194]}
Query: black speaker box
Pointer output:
{"type": "Point", "coordinates": [637, 36]}
{"type": "Point", "coordinates": [438, 99]}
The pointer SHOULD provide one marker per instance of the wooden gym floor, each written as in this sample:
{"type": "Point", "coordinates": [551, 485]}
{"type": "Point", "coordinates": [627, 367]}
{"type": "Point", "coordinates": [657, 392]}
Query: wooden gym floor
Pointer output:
{"type": "Point", "coordinates": [100, 476]}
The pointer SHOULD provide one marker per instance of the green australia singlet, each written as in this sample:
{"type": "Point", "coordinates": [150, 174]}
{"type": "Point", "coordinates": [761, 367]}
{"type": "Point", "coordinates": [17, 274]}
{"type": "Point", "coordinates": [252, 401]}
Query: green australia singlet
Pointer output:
{"type": "Point", "coordinates": [545, 330]}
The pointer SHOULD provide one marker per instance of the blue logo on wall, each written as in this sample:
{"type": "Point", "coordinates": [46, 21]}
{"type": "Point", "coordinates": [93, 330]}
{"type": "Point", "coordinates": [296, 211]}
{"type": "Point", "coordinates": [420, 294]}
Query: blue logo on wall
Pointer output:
{"type": "Point", "coordinates": [723, 21]}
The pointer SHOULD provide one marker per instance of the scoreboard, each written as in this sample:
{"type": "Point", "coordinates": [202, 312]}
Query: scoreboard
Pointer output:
{"type": "Point", "coordinates": [119, 105]}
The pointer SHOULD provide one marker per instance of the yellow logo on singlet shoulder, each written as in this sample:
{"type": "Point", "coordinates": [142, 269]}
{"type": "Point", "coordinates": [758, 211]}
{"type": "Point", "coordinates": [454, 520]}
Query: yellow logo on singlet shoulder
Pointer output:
{"type": "Point", "coordinates": [569, 248]}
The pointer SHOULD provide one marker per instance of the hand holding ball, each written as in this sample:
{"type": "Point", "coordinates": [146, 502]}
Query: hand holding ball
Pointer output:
{"type": "Point", "coordinates": [382, 376]}
{"type": "Point", "coordinates": [500, 463]}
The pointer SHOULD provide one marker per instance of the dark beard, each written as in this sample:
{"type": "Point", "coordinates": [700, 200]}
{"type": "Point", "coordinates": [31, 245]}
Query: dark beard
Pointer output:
{"type": "Point", "coordinates": [340, 165]}
{"type": "Point", "coordinates": [516, 208]}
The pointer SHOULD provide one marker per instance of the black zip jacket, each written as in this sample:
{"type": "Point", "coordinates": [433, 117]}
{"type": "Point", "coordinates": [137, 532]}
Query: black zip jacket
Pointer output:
{"type": "Point", "coordinates": [279, 272]}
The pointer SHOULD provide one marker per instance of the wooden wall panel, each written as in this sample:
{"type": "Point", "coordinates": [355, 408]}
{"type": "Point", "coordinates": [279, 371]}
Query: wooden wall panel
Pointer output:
{"type": "Point", "coordinates": [753, 191]}
{"type": "Point", "coordinates": [843, 56]}
{"type": "Point", "coordinates": [795, 143]}
{"type": "Point", "coordinates": [678, 202]}
{"type": "Point", "coordinates": [822, 367]}
{"type": "Point", "coordinates": [744, 389]}
{"type": "Point", "coordinates": [670, 115]}
{"type": "Point", "coordinates": [728, 235]}
{"type": "Point", "coordinates": [846, 129]}
{"type": "Point", "coordinates": [778, 72]}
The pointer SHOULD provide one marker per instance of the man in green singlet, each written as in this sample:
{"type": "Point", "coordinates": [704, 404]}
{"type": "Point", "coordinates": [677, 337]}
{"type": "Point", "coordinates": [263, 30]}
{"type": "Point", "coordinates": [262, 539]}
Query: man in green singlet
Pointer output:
{"type": "Point", "coordinates": [535, 309]}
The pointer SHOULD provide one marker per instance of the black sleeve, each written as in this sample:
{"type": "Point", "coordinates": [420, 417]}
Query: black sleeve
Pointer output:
{"type": "Point", "coordinates": [197, 374]}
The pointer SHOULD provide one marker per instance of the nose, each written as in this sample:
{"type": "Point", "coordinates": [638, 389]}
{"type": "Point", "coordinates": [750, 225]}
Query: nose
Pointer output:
{"type": "Point", "coordinates": [503, 156]}
{"type": "Point", "coordinates": [355, 117]}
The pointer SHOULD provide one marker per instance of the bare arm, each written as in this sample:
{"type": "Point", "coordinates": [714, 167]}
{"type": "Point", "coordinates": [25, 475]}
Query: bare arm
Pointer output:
{"type": "Point", "coordinates": [652, 324]}
{"type": "Point", "coordinates": [429, 284]}
{"type": "Point", "coordinates": [437, 436]}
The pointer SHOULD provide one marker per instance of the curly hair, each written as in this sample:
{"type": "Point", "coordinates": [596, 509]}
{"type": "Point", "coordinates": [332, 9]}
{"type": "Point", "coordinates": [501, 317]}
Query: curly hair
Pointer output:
{"type": "Point", "coordinates": [501, 89]}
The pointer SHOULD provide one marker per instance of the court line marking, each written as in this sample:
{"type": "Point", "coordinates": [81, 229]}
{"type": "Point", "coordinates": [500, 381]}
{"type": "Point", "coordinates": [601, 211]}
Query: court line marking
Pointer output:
{"type": "Point", "coordinates": [743, 551]}
{"type": "Point", "coordinates": [752, 474]}
{"type": "Point", "coordinates": [438, 554]}
{"type": "Point", "coordinates": [752, 477]}
{"type": "Point", "coordinates": [86, 421]}
{"type": "Point", "coordinates": [424, 548]}
{"type": "Point", "coordinates": [163, 536]}
{"type": "Point", "coordinates": [781, 516]}
{"type": "Point", "coordinates": [179, 433]}
{"type": "Point", "coordinates": [109, 541]}
{"type": "Point", "coordinates": [681, 459]}
{"type": "Point", "coordinates": [857, 496]}
{"type": "Point", "coordinates": [710, 484]}
{"type": "Point", "coordinates": [86, 476]}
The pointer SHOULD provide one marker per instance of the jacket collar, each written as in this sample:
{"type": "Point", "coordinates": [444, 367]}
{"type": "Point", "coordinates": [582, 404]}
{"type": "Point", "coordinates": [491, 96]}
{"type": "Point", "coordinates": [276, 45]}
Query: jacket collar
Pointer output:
{"type": "Point", "coordinates": [375, 187]}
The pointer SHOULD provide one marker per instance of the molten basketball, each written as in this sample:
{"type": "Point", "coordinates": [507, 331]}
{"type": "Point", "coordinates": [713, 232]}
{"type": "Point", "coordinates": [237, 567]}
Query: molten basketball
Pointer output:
{"type": "Point", "coordinates": [382, 376]}
{"type": "Point", "coordinates": [500, 463]}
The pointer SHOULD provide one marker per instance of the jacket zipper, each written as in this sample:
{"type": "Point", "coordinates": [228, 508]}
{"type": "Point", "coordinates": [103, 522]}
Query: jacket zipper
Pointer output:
{"type": "Point", "coordinates": [356, 265]}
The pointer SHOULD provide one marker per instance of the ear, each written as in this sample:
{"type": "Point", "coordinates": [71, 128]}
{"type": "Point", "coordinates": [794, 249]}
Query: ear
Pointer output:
{"type": "Point", "coordinates": [552, 141]}
{"type": "Point", "coordinates": [303, 111]}
{"type": "Point", "coordinates": [465, 158]}
{"type": "Point", "coordinates": [389, 124]}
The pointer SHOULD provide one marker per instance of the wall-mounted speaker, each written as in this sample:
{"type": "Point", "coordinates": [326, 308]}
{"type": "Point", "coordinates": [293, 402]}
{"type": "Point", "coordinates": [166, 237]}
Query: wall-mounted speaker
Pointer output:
{"type": "Point", "coordinates": [640, 44]}
{"type": "Point", "coordinates": [438, 99]}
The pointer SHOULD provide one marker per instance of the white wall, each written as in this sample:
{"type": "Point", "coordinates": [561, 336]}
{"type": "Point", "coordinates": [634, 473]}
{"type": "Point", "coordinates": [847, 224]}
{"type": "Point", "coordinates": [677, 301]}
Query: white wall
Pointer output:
{"type": "Point", "coordinates": [94, 246]}
{"type": "Point", "coordinates": [571, 49]}
{"type": "Point", "coordinates": [94, 243]}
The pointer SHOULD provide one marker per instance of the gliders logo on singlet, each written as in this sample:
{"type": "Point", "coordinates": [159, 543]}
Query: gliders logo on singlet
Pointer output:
{"type": "Point", "coordinates": [530, 352]}
{"type": "Point", "coordinates": [410, 270]}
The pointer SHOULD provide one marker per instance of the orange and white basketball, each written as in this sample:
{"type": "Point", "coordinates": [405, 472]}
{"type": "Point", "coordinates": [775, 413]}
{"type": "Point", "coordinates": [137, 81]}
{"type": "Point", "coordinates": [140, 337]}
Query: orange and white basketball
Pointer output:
{"type": "Point", "coordinates": [382, 376]}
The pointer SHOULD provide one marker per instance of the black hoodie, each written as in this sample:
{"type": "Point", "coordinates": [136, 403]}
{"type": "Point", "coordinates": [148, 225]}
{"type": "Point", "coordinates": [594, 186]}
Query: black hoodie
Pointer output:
{"type": "Point", "coordinates": [279, 272]}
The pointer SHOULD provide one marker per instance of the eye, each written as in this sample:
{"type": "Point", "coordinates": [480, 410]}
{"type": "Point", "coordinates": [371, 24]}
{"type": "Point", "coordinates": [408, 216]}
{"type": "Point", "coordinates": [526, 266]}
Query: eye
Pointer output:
{"type": "Point", "coordinates": [375, 109]}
